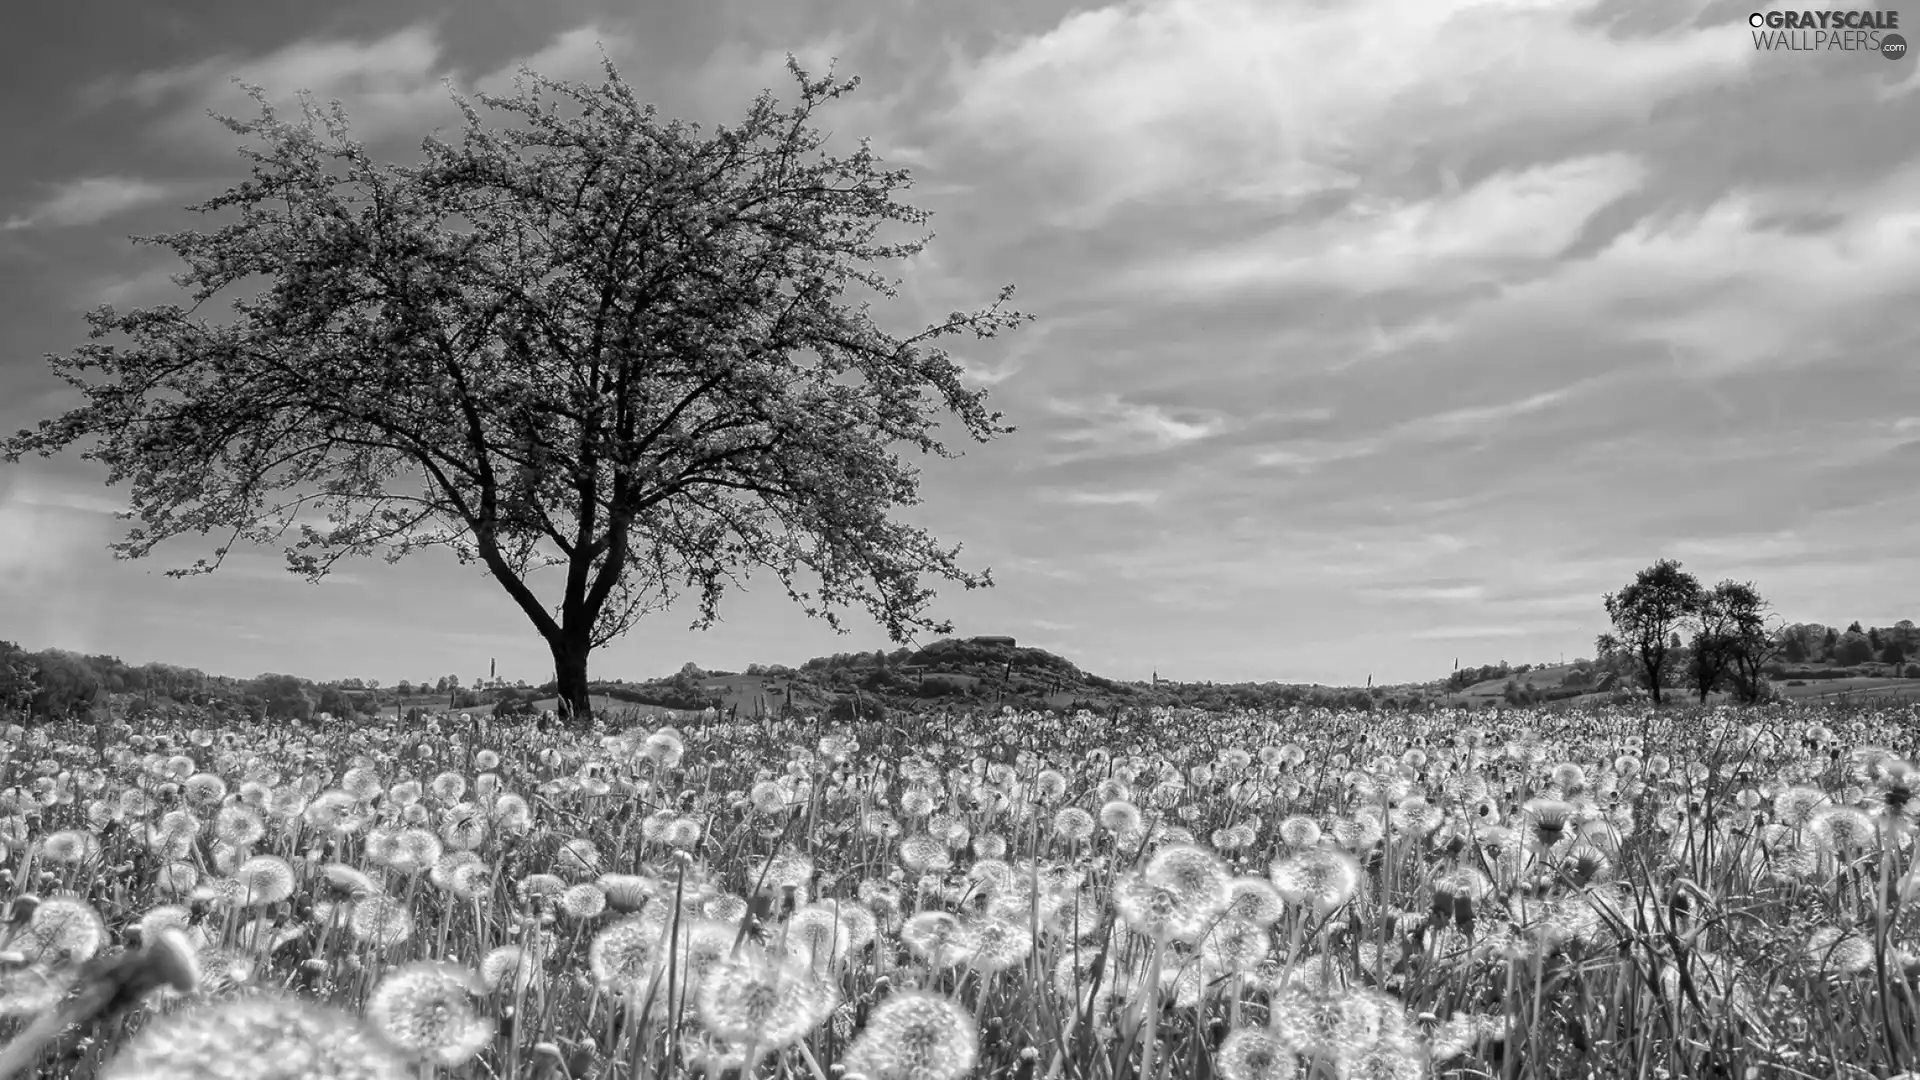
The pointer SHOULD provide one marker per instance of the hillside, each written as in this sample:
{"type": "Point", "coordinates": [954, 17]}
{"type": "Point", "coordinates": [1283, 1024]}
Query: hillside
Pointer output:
{"type": "Point", "coordinates": [961, 675]}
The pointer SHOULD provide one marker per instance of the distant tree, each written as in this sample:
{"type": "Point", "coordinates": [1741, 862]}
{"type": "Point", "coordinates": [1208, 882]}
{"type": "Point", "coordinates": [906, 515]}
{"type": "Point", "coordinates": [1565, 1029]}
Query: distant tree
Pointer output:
{"type": "Point", "coordinates": [1893, 652]}
{"type": "Point", "coordinates": [1710, 656]}
{"type": "Point", "coordinates": [403, 688]}
{"type": "Point", "coordinates": [285, 697]}
{"type": "Point", "coordinates": [1648, 613]}
{"type": "Point", "coordinates": [1873, 637]}
{"type": "Point", "coordinates": [18, 674]}
{"type": "Point", "coordinates": [581, 339]}
{"type": "Point", "coordinates": [67, 683]}
{"type": "Point", "coordinates": [1793, 649]}
{"type": "Point", "coordinates": [440, 685]}
{"type": "Point", "coordinates": [1830, 641]}
{"type": "Point", "coordinates": [1751, 639]}
{"type": "Point", "coordinates": [1853, 649]}
{"type": "Point", "coordinates": [1854, 627]}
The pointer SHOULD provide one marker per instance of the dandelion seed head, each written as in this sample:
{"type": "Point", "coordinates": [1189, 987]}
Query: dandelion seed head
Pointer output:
{"type": "Point", "coordinates": [266, 1037]}
{"type": "Point", "coordinates": [426, 1010]}
{"type": "Point", "coordinates": [914, 1035]}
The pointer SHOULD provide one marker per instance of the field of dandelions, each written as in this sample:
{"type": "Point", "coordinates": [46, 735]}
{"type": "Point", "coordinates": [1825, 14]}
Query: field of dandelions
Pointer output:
{"type": "Point", "coordinates": [1617, 893]}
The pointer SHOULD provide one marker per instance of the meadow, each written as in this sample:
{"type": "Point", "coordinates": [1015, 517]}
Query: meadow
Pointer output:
{"type": "Point", "coordinates": [1621, 892]}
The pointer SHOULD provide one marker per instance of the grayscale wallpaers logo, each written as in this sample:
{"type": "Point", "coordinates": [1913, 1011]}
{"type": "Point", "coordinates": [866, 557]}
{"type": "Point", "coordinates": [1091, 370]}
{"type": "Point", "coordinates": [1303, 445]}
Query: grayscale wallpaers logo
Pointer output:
{"type": "Point", "coordinates": [1829, 31]}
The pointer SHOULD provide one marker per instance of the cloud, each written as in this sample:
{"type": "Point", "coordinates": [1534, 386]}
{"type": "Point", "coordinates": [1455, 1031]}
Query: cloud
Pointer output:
{"type": "Point", "coordinates": [1442, 594]}
{"type": "Point", "coordinates": [388, 83]}
{"type": "Point", "coordinates": [1109, 421]}
{"type": "Point", "coordinates": [1736, 283]}
{"type": "Point", "coordinates": [1484, 631]}
{"type": "Point", "coordinates": [1108, 498]}
{"type": "Point", "coordinates": [1197, 101]}
{"type": "Point", "coordinates": [90, 200]}
{"type": "Point", "coordinates": [1508, 225]}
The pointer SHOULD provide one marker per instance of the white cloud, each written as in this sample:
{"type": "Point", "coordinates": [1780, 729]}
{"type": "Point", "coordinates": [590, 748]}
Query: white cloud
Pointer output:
{"type": "Point", "coordinates": [91, 200]}
{"type": "Point", "coordinates": [1508, 224]}
{"type": "Point", "coordinates": [1443, 594]}
{"type": "Point", "coordinates": [1475, 633]}
{"type": "Point", "coordinates": [1109, 498]}
{"type": "Point", "coordinates": [1729, 287]}
{"type": "Point", "coordinates": [1110, 420]}
{"type": "Point", "coordinates": [387, 84]}
{"type": "Point", "coordinates": [1275, 99]}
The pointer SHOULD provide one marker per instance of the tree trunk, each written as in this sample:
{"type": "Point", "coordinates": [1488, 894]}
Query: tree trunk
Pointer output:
{"type": "Point", "coordinates": [570, 679]}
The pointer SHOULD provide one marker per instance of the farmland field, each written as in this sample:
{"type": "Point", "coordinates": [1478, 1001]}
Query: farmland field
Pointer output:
{"type": "Point", "coordinates": [1595, 893]}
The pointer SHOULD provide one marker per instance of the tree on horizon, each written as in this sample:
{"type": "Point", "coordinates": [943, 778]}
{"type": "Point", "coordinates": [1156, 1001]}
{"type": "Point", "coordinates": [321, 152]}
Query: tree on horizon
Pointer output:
{"type": "Point", "coordinates": [582, 340]}
{"type": "Point", "coordinates": [1647, 615]}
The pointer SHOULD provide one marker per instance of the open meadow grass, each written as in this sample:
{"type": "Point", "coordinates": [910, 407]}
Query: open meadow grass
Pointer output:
{"type": "Point", "coordinates": [1597, 893]}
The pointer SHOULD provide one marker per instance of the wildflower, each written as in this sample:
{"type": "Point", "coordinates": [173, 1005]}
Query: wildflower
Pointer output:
{"type": "Point", "coordinates": [1122, 819]}
{"type": "Point", "coordinates": [914, 1035]}
{"type": "Point", "coordinates": [1321, 878]}
{"type": "Point", "coordinates": [1254, 1054]}
{"type": "Point", "coordinates": [767, 1000]}
{"type": "Point", "coordinates": [381, 921]}
{"type": "Point", "coordinates": [508, 962]}
{"type": "Point", "coordinates": [621, 956]}
{"type": "Point", "coordinates": [1548, 820]}
{"type": "Point", "coordinates": [1073, 825]}
{"type": "Point", "coordinates": [239, 825]}
{"type": "Point", "coordinates": [61, 930]}
{"type": "Point", "coordinates": [347, 882]}
{"type": "Point", "coordinates": [1299, 832]}
{"type": "Point", "coordinates": [923, 854]}
{"type": "Point", "coordinates": [937, 937]}
{"type": "Point", "coordinates": [577, 858]}
{"type": "Point", "coordinates": [265, 879]}
{"type": "Point", "coordinates": [463, 826]}
{"type": "Point", "coordinates": [813, 936]}
{"type": "Point", "coordinates": [426, 1009]}
{"type": "Point", "coordinates": [1253, 900]}
{"type": "Point", "coordinates": [70, 847]}
{"type": "Point", "coordinates": [1234, 945]}
{"type": "Point", "coordinates": [998, 943]}
{"type": "Point", "coordinates": [449, 787]}
{"type": "Point", "coordinates": [1325, 1020]}
{"type": "Point", "coordinates": [266, 1037]}
{"type": "Point", "coordinates": [204, 790]}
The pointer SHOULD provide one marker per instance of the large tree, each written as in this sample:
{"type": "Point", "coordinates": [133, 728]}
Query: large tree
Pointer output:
{"type": "Point", "coordinates": [1647, 616]}
{"type": "Point", "coordinates": [579, 340]}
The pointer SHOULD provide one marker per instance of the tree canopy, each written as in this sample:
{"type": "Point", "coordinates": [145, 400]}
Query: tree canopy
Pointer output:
{"type": "Point", "coordinates": [579, 340]}
{"type": "Point", "coordinates": [1647, 615]}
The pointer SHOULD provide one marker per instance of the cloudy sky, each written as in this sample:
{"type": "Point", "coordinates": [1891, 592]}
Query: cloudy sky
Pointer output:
{"type": "Point", "coordinates": [1370, 334]}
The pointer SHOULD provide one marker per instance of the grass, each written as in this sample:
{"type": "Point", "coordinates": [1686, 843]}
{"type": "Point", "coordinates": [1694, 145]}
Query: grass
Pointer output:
{"type": "Point", "coordinates": [1586, 893]}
